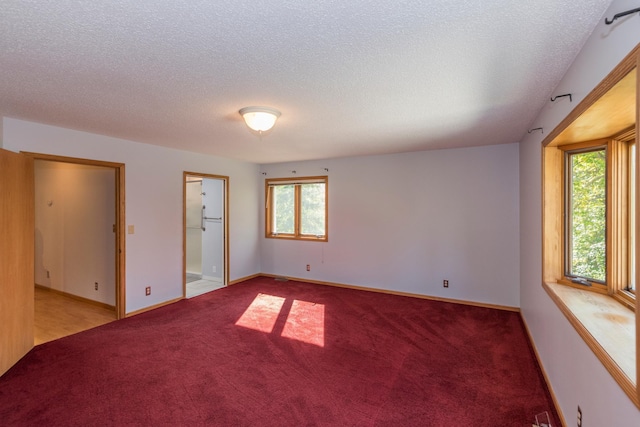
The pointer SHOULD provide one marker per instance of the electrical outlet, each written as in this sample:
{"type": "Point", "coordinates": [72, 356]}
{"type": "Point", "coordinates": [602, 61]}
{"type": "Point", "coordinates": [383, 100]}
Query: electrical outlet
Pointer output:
{"type": "Point", "coordinates": [48, 275]}
{"type": "Point", "coordinates": [308, 267]}
{"type": "Point", "coordinates": [579, 416]}
{"type": "Point", "coordinates": [214, 269]}
{"type": "Point", "coordinates": [96, 286]}
{"type": "Point", "coordinates": [147, 290]}
{"type": "Point", "coordinates": [445, 283]}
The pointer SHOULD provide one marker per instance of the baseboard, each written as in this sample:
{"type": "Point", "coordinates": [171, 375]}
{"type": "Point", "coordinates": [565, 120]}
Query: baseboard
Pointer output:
{"type": "Point", "coordinates": [244, 279]}
{"type": "Point", "coordinates": [153, 307]}
{"type": "Point", "coordinates": [544, 373]}
{"type": "Point", "coordinates": [212, 279]}
{"type": "Point", "coordinates": [77, 298]}
{"type": "Point", "coordinates": [391, 292]}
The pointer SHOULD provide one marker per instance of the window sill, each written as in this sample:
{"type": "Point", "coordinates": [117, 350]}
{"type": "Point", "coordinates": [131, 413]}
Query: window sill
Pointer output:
{"type": "Point", "coordinates": [607, 327]}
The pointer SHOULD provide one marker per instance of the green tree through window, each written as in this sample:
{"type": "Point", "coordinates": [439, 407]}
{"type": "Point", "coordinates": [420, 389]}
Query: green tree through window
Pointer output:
{"type": "Point", "coordinates": [587, 214]}
{"type": "Point", "coordinates": [312, 214]}
{"type": "Point", "coordinates": [283, 208]}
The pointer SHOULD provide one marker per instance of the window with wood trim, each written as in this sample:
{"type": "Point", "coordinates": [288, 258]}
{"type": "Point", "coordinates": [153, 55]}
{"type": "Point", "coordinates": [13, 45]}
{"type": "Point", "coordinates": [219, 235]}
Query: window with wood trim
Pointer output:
{"type": "Point", "coordinates": [604, 124]}
{"type": "Point", "coordinates": [597, 214]}
{"type": "Point", "coordinates": [296, 208]}
{"type": "Point", "coordinates": [585, 207]}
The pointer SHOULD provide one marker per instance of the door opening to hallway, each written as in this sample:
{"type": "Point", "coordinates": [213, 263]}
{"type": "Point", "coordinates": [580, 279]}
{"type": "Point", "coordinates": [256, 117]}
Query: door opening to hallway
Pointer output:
{"type": "Point", "coordinates": [77, 250]}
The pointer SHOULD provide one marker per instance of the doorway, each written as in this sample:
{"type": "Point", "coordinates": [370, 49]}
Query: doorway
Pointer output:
{"type": "Point", "coordinates": [79, 241]}
{"type": "Point", "coordinates": [205, 247]}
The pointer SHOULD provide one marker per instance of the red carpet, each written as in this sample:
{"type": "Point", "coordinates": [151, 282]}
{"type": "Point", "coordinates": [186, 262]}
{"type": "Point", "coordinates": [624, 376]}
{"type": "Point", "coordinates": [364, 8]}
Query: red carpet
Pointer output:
{"type": "Point", "coordinates": [268, 353]}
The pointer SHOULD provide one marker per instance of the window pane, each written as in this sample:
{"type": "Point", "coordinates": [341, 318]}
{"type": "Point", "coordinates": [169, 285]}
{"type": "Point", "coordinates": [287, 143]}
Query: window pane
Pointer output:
{"type": "Point", "coordinates": [283, 209]}
{"type": "Point", "coordinates": [312, 209]}
{"type": "Point", "coordinates": [587, 215]}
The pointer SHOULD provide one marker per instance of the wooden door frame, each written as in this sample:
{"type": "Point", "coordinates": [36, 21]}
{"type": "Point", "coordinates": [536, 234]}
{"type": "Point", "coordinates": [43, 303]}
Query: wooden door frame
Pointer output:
{"type": "Point", "coordinates": [225, 237]}
{"type": "Point", "coordinates": [120, 255]}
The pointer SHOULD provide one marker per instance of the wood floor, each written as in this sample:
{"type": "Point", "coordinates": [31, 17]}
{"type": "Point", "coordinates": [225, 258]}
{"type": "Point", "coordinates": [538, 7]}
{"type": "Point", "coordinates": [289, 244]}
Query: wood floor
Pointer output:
{"type": "Point", "coordinates": [57, 316]}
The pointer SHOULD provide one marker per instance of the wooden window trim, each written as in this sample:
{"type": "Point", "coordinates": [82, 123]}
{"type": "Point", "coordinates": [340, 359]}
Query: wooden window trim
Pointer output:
{"type": "Point", "coordinates": [618, 200]}
{"type": "Point", "coordinates": [576, 148]}
{"type": "Point", "coordinates": [297, 235]}
{"type": "Point", "coordinates": [626, 298]}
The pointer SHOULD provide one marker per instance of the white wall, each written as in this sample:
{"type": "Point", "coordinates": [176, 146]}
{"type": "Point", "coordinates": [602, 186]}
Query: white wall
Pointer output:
{"type": "Point", "coordinates": [75, 209]}
{"type": "Point", "coordinates": [154, 203]}
{"type": "Point", "coordinates": [194, 229]}
{"type": "Point", "coordinates": [406, 222]}
{"type": "Point", "coordinates": [213, 237]}
{"type": "Point", "coordinates": [577, 376]}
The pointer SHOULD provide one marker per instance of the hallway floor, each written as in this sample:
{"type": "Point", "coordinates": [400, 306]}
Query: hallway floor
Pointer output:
{"type": "Point", "coordinates": [57, 316]}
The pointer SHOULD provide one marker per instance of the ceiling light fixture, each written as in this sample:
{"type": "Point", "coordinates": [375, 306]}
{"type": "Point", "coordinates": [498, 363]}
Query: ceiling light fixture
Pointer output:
{"type": "Point", "coordinates": [259, 119]}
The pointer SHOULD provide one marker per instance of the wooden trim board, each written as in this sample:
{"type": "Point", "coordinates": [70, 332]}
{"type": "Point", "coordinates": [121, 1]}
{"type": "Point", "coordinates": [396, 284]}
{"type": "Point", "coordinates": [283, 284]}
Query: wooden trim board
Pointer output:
{"type": "Point", "coordinates": [386, 291]}
{"type": "Point", "coordinates": [244, 279]}
{"type": "Point", "coordinates": [153, 307]}
{"type": "Point", "coordinates": [563, 421]}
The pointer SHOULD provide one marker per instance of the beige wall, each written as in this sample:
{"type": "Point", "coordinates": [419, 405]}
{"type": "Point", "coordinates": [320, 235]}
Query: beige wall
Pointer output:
{"type": "Point", "coordinates": [75, 242]}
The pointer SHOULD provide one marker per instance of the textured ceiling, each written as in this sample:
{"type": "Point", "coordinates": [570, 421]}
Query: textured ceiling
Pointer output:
{"type": "Point", "coordinates": [350, 77]}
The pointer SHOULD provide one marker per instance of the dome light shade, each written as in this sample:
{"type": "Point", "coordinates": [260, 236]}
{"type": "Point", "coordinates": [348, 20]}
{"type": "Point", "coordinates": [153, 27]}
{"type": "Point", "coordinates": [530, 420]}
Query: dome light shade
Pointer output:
{"type": "Point", "coordinates": [259, 119]}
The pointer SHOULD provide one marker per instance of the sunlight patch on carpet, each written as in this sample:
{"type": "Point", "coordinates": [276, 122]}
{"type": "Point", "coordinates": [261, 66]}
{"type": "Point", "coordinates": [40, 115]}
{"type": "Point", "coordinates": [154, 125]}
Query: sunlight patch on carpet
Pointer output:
{"type": "Point", "coordinates": [305, 323]}
{"type": "Point", "coordinates": [262, 314]}
{"type": "Point", "coordinates": [304, 320]}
